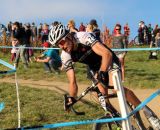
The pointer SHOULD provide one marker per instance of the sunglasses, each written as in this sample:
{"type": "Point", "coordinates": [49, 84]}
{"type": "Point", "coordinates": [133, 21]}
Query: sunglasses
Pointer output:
{"type": "Point", "coordinates": [118, 29]}
{"type": "Point", "coordinates": [62, 41]}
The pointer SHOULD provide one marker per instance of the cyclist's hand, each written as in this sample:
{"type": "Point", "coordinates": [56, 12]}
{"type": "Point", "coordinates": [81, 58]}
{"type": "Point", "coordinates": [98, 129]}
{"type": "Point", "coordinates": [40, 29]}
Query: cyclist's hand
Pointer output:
{"type": "Point", "coordinates": [103, 77]}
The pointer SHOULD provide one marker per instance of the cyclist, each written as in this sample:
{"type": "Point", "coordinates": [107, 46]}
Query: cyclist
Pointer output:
{"type": "Point", "coordinates": [83, 47]}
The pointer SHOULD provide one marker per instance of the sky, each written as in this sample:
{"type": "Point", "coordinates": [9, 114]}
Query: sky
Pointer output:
{"type": "Point", "coordinates": [106, 12]}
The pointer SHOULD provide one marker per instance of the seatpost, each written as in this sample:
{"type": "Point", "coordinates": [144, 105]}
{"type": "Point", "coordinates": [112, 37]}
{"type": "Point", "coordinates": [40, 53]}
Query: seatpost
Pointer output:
{"type": "Point", "coordinates": [116, 77]}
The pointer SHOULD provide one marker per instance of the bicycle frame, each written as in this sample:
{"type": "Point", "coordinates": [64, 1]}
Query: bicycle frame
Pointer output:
{"type": "Point", "coordinates": [110, 111]}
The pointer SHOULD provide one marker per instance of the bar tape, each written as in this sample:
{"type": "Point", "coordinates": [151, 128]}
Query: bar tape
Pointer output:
{"type": "Point", "coordinates": [64, 124]}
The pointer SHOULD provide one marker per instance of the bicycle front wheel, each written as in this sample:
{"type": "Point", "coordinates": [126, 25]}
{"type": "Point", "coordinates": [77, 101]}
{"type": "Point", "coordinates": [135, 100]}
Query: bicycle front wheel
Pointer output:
{"type": "Point", "coordinates": [107, 125]}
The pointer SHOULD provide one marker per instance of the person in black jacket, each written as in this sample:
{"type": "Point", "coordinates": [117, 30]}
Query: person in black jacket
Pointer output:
{"type": "Point", "coordinates": [19, 34]}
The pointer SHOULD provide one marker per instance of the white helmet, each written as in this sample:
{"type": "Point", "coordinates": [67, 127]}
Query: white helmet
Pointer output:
{"type": "Point", "coordinates": [57, 33]}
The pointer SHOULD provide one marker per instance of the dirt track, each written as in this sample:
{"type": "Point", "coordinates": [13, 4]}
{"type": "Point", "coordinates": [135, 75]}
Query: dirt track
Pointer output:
{"type": "Point", "coordinates": [62, 87]}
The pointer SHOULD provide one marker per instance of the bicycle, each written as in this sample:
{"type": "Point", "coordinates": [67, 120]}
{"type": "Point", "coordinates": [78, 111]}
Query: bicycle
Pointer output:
{"type": "Point", "coordinates": [110, 111]}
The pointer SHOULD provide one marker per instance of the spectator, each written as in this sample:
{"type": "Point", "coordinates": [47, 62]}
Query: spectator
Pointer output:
{"type": "Point", "coordinates": [96, 31]}
{"type": "Point", "coordinates": [71, 26]}
{"type": "Point", "coordinates": [157, 39]}
{"type": "Point", "coordinates": [89, 28]}
{"type": "Point", "coordinates": [153, 54]}
{"type": "Point", "coordinates": [29, 51]}
{"type": "Point", "coordinates": [114, 30]}
{"type": "Point", "coordinates": [50, 58]}
{"type": "Point", "coordinates": [34, 32]}
{"type": "Point", "coordinates": [14, 49]}
{"type": "Point", "coordinates": [145, 30]}
{"type": "Point", "coordinates": [155, 31]}
{"type": "Point", "coordinates": [141, 33]}
{"type": "Point", "coordinates": [119, 42]}
{"type": "Point", "coordinates": [39, 35]}
{"type": "Point", "coordinates": [9, 27]}
{"type": "Point", "coordinates": [82, 28]}
{"type": "Point", "coordinates": [45, 32]}
{"type": "Point", "coordinates": [150, 32]}
{"type": "Point", "coordinates": [2, 28]}
{"type": "Point", "coordinates": [126, 32]}
{"type": "Point", "coordinates": [19, 34]}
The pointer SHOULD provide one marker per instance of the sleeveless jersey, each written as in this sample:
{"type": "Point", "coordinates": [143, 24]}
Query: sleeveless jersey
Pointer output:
{"type": "Point", "coordinates": [84, 53]}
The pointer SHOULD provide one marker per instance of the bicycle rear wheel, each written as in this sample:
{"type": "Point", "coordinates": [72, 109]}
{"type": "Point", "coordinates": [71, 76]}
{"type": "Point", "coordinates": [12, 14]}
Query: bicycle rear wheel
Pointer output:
{"type": "Point", "coordinates": [107, 125]}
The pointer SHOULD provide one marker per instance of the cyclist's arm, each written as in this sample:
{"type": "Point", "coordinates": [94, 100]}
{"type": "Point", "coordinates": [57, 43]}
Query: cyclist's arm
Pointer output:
{"type": "Point", "coordinates": [106, 55]}
{"type": "Point", "coordinates": [43, 60]}
{"type": "Point", "coordinates": [73, 88]}
{"type": "Point", "coordinates": [68, 66]}
{"type": "Point", "coordinates": [41, 56]}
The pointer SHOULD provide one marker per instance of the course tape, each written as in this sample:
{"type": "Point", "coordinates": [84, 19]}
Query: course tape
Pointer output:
{"type": "Point", "coordinates": [125, 49]}
{"type": "Point", "coordinates": [6, 72]}
{"type": "Point", "coordinates": [36, 48]}
{"type": "Point", "coordinates": [13, 69]}
{"type": "Point", "coordinates": [1, 106]}
{"type": "Point", "coordinates": [64, 124]}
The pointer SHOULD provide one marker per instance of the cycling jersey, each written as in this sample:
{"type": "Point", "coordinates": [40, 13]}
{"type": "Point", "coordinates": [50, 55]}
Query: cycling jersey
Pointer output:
{"type": "Point", "coordinates": [84, 53]}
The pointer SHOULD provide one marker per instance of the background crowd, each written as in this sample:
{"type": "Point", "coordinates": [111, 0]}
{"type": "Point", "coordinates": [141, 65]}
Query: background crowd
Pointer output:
{"type": "Point", "coordinates": [30, 34]}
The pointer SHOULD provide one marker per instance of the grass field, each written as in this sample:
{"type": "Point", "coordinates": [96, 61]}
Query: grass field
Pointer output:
{"type": "Point", "coordinates": [42, 106]}
{"type": "Point", "coordinates": [140, 72]}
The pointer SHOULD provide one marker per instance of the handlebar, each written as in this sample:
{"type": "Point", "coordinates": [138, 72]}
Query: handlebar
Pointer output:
{"type": "Point", "coordinates": [91, 88]}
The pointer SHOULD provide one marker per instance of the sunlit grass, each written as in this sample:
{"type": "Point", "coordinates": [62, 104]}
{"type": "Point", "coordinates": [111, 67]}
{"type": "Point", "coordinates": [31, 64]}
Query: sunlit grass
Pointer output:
{"type": "Point", "coordinates": [39, 107]}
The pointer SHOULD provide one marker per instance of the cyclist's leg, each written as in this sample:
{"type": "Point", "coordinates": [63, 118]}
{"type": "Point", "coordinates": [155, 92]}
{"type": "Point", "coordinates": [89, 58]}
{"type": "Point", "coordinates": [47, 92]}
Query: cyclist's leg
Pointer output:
{"type": "Point", "coordinates": [134, 100]}
{"type": "Point", "coordinates": [131, 97]}
{"type": "Point", "coordinates": [150, 115]}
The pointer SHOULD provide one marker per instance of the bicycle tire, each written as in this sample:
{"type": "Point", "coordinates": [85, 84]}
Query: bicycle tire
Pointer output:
{"type": "Point", "coordinates": [136, 123]}
{"type": "Point", "coordinates": [107, 125]}
{"type": "Point", "coordinates": [117, 125]}
{"type": "Point", "coordinates": [136, 120]}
